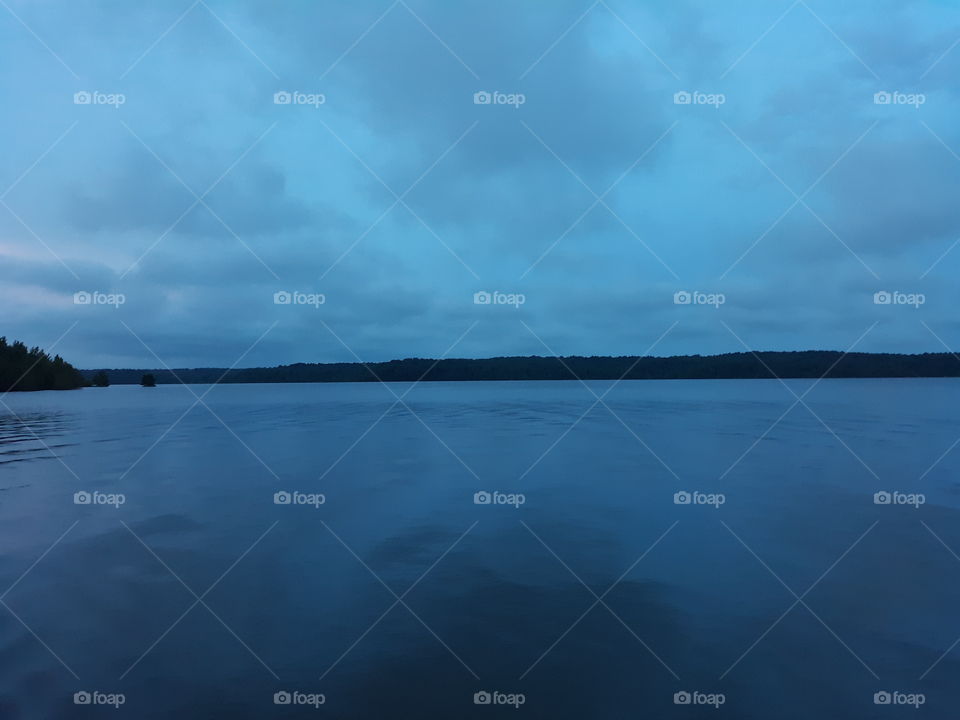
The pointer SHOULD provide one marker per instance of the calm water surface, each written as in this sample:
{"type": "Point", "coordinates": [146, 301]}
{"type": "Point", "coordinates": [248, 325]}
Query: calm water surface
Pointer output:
{"type": "Point", "coordinates": [399, 596]}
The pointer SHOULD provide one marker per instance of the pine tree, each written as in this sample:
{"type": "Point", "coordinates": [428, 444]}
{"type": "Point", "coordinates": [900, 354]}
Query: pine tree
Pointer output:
{"type": "Point", "coordinates": [33, 369]}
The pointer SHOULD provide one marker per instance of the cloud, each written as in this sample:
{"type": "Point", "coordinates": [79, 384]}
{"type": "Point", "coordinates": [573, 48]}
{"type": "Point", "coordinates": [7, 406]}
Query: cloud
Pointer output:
{"type": "Point", "coordinates": [398, 197]}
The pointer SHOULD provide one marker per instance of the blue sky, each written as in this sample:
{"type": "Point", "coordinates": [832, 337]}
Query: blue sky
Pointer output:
{"type": "Point", "coordinates": [782, 197]}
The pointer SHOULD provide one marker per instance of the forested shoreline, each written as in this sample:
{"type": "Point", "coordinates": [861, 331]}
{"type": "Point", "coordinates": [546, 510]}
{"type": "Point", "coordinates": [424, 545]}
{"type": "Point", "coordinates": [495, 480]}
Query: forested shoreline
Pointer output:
{"type": "Point", "coordinates": [23, 368]}
{"type": "Point", "coordinates": [746, 365]}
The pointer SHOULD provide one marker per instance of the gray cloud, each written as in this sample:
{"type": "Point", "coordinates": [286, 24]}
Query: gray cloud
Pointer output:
{"type": "Point", "coordinates": [498, 211]}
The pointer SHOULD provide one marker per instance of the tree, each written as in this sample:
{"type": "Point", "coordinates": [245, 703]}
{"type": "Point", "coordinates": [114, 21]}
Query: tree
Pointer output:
{"type": "Point", "coordinates": [148, 380]}
{"type": "Point", "coordinates": [100, 379]}
{"type": "Point", "coordinates": [23, 369]}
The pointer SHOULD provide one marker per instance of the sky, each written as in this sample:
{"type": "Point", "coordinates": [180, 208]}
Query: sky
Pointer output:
{"type": "Point", "coordinates": [250, 183]}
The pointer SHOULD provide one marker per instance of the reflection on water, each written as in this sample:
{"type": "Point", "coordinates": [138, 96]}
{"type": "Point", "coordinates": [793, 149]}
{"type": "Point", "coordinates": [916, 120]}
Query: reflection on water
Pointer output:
{"type": "Point", "coordinates": [400, 597]}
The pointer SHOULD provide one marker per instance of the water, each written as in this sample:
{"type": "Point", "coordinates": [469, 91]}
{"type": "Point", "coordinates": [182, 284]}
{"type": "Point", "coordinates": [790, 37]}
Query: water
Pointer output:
{"type": "Point", "coordinates": [198, 596]}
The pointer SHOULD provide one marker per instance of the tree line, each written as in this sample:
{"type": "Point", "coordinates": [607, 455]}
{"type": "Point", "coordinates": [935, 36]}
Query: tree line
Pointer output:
{"type": "Point", "coordinates": [745, 365]}
{"type": "Point", "coordinates": [23, 368]}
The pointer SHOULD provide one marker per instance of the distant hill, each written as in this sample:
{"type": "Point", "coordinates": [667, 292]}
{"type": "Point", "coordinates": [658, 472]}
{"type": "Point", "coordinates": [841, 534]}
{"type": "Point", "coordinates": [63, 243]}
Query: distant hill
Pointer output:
{"type": "Point", "coordinates": [32, 369]}
{"type": "Point", "coordinates": [802, 364]}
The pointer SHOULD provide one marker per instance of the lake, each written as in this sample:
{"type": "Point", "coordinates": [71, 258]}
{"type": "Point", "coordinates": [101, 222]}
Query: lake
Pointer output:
{"type": "Point", "coordinates": [511, 549]}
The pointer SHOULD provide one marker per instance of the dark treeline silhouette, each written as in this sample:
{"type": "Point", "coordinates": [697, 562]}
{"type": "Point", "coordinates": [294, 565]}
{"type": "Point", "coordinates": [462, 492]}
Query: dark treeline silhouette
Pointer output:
{"type": "Point", "coordinates": [803, 364]}
{"type": "Point", "coordinates": [33, 369]}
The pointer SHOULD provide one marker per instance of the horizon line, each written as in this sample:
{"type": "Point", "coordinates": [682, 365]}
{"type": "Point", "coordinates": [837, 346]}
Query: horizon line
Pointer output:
{"type": "Point", "coordinates": [523, 357]}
